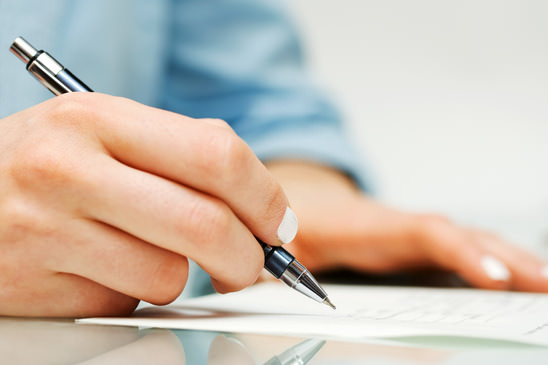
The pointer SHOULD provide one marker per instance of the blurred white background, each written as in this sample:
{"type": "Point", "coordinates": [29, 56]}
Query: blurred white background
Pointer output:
{"type": "Point", "coordinates": [448, 100]}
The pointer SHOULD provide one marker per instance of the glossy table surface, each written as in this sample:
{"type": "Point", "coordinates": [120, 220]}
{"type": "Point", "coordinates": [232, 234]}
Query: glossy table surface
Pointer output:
{"type": "Point", "coordinates": [35, 341]}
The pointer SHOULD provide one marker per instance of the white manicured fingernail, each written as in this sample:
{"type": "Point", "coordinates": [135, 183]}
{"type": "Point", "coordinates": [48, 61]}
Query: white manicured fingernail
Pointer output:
{"type": "Point", "coordinates": [288, 228]}
{"type": "Point", "coordinates": [544, 271]}
{"type": "Point", "coordinates": [494, 268]}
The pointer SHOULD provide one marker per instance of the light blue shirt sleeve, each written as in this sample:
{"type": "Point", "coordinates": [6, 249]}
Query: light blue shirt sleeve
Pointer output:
{"type": "Point", "coordinates": [241, 61]}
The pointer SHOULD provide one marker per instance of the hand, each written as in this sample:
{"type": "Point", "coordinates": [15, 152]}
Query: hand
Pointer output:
{"type": "Point", "coordinates": [339, 226]}
{"type": "Point", "coordinates": [103, 199]}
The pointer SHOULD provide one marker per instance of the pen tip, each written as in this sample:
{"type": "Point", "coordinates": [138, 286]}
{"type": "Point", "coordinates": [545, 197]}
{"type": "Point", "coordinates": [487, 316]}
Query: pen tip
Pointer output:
{"type": "Point", "coordinates": [328, 302]}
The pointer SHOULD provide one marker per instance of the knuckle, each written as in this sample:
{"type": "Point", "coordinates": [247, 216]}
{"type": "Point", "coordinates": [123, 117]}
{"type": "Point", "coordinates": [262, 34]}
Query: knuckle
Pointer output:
{"type": "Point", "coordinates": [70, 109]}
{"type": "Point", "coordinates": [168, 280]}
{"type": "Point", "coordinates": [82, 113]}
{"type": "Point", "coordinates": [51, 150]}
{"type": "Point", "coordinates": [219, 123]}
{"type": "Point", "coordinates": [17, 219]}
{"type": "Point", "coordinates": [236, 154]}
{"type": "Point", "coordinates": [437, 238]}
{"type": "Point", "coordinates": [226, 156]}
{"type": "Point", "coordinates": [432, 224]}
{"type": "Point", "coordinates": [208, 223]}
{"type": "Point", "coordinates": [42, 165]}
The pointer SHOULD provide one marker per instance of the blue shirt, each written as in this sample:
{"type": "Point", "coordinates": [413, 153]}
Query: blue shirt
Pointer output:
{"type": "Point", "coordinates": [238, 60]}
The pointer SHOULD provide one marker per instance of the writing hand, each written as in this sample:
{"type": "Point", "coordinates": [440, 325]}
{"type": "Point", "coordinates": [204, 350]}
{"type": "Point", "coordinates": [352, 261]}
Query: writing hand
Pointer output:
{"type": "Point", "coordinates": [103, 199]}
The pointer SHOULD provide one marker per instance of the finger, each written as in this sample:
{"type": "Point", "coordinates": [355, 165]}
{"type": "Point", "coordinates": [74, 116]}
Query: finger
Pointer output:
{"type": "Point", "coordinates": [121, 262]}
{"type": "Point", "coordinates": [178, 219]}
{"type": "Point", "coordinates": [208, 157]}
{"type": "Point", "coordinates": [456, 249]}
{"type": "Point", "coordinates": [527, 270]}
{"type": "Point", "coordinates": [68, 295]}
{"type": "Point", "coordinates": [481, 269]}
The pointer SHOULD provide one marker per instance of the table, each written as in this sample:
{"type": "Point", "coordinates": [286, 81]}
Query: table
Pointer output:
{"type": "Point", "coordinates": [61, 341]}
{"type": "Point", "coordinates": [40, 341]}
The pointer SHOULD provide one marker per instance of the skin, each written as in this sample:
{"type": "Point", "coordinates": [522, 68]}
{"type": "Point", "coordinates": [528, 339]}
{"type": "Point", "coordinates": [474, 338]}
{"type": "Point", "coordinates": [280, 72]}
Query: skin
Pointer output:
{"type": "Point", "coordinates": [340, 226]}
{"type": "Point", "coordinates": [103, 199]}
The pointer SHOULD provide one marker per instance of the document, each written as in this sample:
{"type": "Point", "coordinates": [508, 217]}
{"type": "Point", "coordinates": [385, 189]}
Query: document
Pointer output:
{"type": "Point", "coordinates": [362, 312]}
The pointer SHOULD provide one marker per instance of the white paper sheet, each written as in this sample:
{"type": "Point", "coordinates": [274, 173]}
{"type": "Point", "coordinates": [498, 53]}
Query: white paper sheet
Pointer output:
{"type": "Point", "coordinates": [362, 312]}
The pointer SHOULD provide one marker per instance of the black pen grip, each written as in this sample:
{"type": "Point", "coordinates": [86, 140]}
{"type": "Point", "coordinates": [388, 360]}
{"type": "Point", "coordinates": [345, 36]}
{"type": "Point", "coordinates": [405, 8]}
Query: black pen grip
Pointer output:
{"type": "Point", "coordinates": [276, 259]}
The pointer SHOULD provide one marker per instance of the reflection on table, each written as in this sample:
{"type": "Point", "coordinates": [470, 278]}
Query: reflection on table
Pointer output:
{"type": "Point", "coordinates": [35, 341]}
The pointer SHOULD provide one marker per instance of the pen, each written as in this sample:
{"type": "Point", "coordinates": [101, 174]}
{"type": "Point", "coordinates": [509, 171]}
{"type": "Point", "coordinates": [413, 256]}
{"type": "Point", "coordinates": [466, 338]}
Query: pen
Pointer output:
{"type": "Point", "coordinates": [46, 69]}
{"type": "Point", "coordinates": [283, 265]}
{"type": "Point", "coordinates": [300, 354]}
{"type": "Point", "coordinates": [59, 80]}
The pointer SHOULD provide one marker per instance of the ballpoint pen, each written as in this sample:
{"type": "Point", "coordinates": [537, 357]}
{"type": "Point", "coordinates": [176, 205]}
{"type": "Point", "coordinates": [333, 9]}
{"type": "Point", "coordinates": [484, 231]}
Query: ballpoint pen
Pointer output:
{"type": "Point", "coordinates": [300, 354]}
{"type": "Point", "coordinates": [59, 80]}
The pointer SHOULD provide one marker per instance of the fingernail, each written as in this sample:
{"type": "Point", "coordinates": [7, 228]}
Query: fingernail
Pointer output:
{"type": "Point", "coordinates": [288, 228]}
{"type": "Point", "coordinates": [544, 271]}
{"type": "Point", "coordinates": [494, 268]}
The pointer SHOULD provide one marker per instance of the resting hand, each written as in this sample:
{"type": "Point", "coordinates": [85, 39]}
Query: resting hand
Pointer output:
{"type": "Point", "coordinates": [103, 199]}
{"type": "Point", "coordinates": [339, 226]}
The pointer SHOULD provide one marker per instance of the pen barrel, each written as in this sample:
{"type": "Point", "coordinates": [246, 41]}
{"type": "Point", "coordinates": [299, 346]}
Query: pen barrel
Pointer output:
{"type": "Point", "coordinates": [54, 76]}
{"type": "Point", "coordinates": [47, 69]}
{"type": "Point", "coordinates": [71, 82]}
